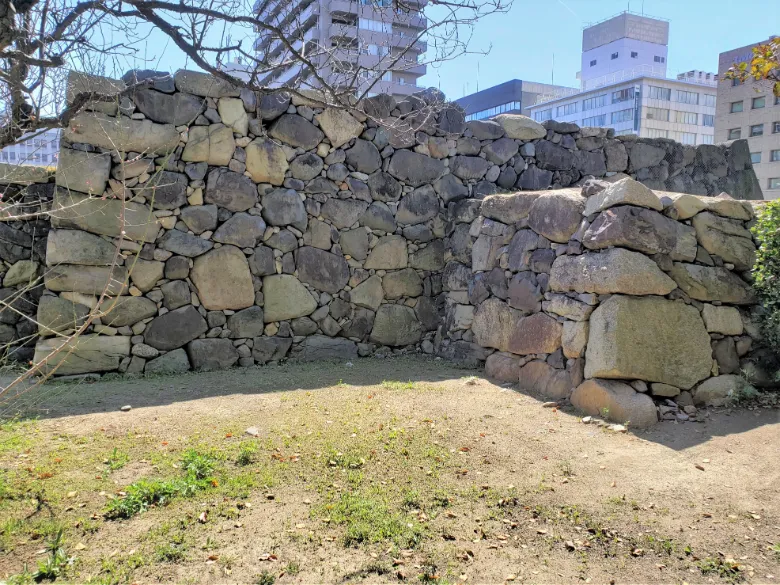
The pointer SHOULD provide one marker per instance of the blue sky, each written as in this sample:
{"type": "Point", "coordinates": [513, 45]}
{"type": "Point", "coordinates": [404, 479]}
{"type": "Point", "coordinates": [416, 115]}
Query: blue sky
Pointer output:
{"type": "Point", "coordinates": [524, 40]}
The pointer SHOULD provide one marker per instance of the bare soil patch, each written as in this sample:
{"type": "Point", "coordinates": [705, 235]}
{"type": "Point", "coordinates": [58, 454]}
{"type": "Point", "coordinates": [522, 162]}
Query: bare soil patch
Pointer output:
{"type": "Point", "coordinates": [383, 471]}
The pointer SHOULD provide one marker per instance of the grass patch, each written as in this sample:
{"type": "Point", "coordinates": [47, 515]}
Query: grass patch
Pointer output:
{"type": "Point", "coordinates": [726, 569]}
{"type": "Point", "coordinates": [117, 460]}
{"type": "Point", "coordinates": [395, 385]}
{"type": "Point", "coordinates": [246, 453]}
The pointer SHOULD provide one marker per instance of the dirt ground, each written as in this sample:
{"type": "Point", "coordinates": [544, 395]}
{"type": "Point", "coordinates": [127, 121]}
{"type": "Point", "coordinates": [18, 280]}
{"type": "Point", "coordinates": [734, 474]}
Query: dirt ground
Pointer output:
{"type": "Point", "coordinates": [381, 471]}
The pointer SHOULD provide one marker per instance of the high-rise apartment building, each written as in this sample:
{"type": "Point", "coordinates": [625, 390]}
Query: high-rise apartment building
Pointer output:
{"type": "Point", "coordinates": [366, 44]}
{"type": "Point", "coordinates": [625, 87]}
{"type": "Point", "coordinates": [750, 110]}
{"type": "Point", "coordinates": [37, 149]}
{"type": "Point", "coordinates": [510, 97]}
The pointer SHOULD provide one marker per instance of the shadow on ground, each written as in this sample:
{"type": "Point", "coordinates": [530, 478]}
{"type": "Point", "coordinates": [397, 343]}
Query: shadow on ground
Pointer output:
{"type": "Point", "coordinates": [60, 399]}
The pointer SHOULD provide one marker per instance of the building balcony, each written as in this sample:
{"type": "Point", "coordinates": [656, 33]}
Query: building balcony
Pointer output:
{"type": "Point", "coordinates": [299, 27]}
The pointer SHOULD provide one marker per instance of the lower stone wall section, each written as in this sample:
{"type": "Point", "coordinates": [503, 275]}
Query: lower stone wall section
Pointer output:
{"type": "Point", "coordinates": [614, 297]}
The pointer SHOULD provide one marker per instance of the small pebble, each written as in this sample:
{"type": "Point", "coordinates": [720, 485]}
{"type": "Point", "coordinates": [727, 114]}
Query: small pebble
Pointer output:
{"type": "Point", "coordinates": [253, 432]}
{"type": "Point", "coordinates": [126, 408]}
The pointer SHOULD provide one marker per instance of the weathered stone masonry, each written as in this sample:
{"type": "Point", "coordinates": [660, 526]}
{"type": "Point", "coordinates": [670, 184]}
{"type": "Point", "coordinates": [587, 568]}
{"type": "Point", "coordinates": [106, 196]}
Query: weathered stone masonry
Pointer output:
{"type": "Point", "coordinates": [259, 228]}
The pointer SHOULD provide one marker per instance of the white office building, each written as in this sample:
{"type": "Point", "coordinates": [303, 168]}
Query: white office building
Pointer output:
{"type": "Point", "coordinates": [624, 85]}
{"type": "Point", "coordinates": [40, 149]}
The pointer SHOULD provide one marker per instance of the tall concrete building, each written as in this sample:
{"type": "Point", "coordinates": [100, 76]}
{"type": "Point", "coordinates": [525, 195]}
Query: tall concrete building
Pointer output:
{"type": "Point", "coordinates": [625, 85]}
{"type": "Point", "coordinates": [510, 97]}
{"type": "Point", "coordinates": [750, 111]}
{"type": "Point", "coordinates": [345, 39]}
{"type": "Point", "coordinates": [36, 149]}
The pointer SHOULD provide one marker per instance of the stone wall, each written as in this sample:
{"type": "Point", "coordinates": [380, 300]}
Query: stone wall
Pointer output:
{"type": "Point", "coordinates": [606, 296]}
{"type": "Point", "coordinates": [259, 228]}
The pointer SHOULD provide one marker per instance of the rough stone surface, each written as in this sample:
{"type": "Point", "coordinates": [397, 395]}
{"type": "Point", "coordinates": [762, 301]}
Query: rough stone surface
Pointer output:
{"type": "Point", "coordinates": [90, 280]}
{"type": "Point", "coordinates": [415, 169]}
{"type": "Point", "coordinates": [339, 126]}
{"type": "Point", "coordinates": [402, 283]}
{"type": "Point", "coordinates": [184, 244]}
{"type": "Point", "coordinates": [266, 162]}
{"type": "Point", "coordinates": [718, 391]}
{"type": "Point", "coordinates": [389, 254]}
{"type": "Point", "coordinates": [723, 320]}
{"type": "Point", "coordinates": [178, 109]}
{"type": "Point", "coordinates": [211, 354]}
{"type": "Point", "coordinates": [77, 211]}
{"type": "Point", "coordinates": [213, 144]}
{"type": "Point", "coordinates": [396, 325]}
{"type": "Point", "coordinates": [223, 280]}
{"type": "Point", "coordinates": [230, 190]}
{"type": "Point", "coordinates": [175, 328]}
{"type": "Point", "coordinates": [520, 127]}
{"type": "Point", "coordinates": [86, 172]}
{"type": "Point", "coordinates": [78, 247]}
{"type": "Point", "coordinates": [612, 271]}
{"type": "Point", "coordinates": [368, 294]}
{"type": "Point", "coordinates": [726, 238]}
{"type": "Point", "coordinates": [624, 192]}
{"type": "Point", "coordinates": [417, 207]}
{"type": "Point", "coordinates": [296, 131]}
{"type": "Point", "coordinates": [615, 401]}
{"type": "Point", "coordinates": [204, 84]}
{"type": "Point", "coordinates": [574, 338]}
{"type": "Point", "coordinates": [242, 230]}
{"type": "Point", "coordinates": [266, 349]}
{"type": "Point", "coordinates": [56, 314]}
{"type": "Point", "coordinates": [557, 215]}
{"type": "Point", "coordinates": [122, 311]}
{"type": "Point", "coordinates": [122, 133]}
{"type": "Point", "coordinates": [286, 298]}
{"type": "Point", "coordinates": [541, 378]}
{"type": "Point", "coordinates": [322, 270]}
{"type": "Point", "coordinates": [343, 213]}
{"type": "Point", "coordinates": [649, 339]}
{"type": "Point", "coordinates": [173, 362]}
{"type": "Point", "coordinates": [80, 355]}
{"type": "Point", "coordinates": [706, 283]}
{"type": "Point", "coordinates": [504, 367]}
{"type": "Point", "coordinates": [283, 207]}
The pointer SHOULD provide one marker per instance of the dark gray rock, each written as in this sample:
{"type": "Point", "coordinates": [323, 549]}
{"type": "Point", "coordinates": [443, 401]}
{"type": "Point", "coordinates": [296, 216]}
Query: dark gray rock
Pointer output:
{"type": "Point", "coordinates": [230, 190]}
{"type": "Point", "coordinates": [359, 325]}
{"type": "Point", "coordinates": [173, 362]}
{"type": "Point", "coordinates": [518, 253]}
{"type": "Point", "coordinates": [175, 328]}
{"type": "Point", "coordinates": [273, 105]}
{"type": "Point", "coordinates": [429, 258]}
{"type": "Point", "coordinates": [452, 120]}
{"type": "Point", "coordinates": [242, 230]}
{"type": "Point", "coordinates": [123, 311]}
{"type": "Point", "coordinates": [427, 313]}
{"type": "Point", "coordinates": [415, 169]}
{"type": "Point", "coordinates": [465, 354]}
{"type": "Point", "coordinates": [524, 293]}
{"type": "Point", "coordinates": [534, 179]}
{"type": "Point", "coordinates": [322, 270]}
{"type": "Point", "coordinates": [303, 326]}
{"type": "Point", "coordinates": [364, 157]}
{"type": "Point", "coordinates": [552, 157]}
{"type": "Point", "coordinates": [469, 167]}
{"type": "Point", "coordinates": [159, 80]}
{"type": "Point", "coordinates": [184, 244]}
{"type": "Point", "coordinates": [176, 294]}
{"type": "Point", "coordinates": [561, 127]}
{"type": "Point", "coordinates": [377, 217]}
{"type": "Point", "coordinates": [196, 171]}
{"type": "Point", "coordinates": [306, 166]}
{"type": "Point", "coordinates": [501, 150]}
{"type": "Point", "coordinates": [212, 354]}
{"type": "Point", "coordinates": [396, 325]}
{"type": "Point", "coordinates": [165, 190]}
{"type": "Point", "coordinates": [464, 211]}
{"type": "Point", "coordinates": [456, 276]}
{"type": "Point", "coordinates": [418, 233]}
{"type": "Point", "coordinates": [418, 206]}
{"type": "Point", "coordinates": [177, 267]}
{"type": "Point", "coordinates": [296, 131]}
{"type": "Point", "coordinates": [557, 215]}
{"type": "Point", "coordinates": [616, 155]}
{"type": "Point", "coordinates": [338, 172]}
{"type": "Point", "coordinates": [343, 213]}
{"type": "Point", "coordinates": [643, 155]}
{"type": "Point", "coordinates": [384, 187]}
{"type": "Point", "coordinates": [359, 189]}
{"type": "Point", "coordinates": [449, 188]}
{"type": "Point", "coordinates": [285, 241]}
{"type": "Point", "coordinates": [322, 348]}
{"type": "Point", "coordinates": [283, 207]}
{"type": "Point", "coordinates": [591, 163]}
{"type": "Point", "coordinates": [200, 218]}
{"type": "Point", "coordinates": [177, 109]}
{"type": "Point", "coordinates": [261, 263]}
{"type": "Point", "coordinates": [271, 349]}
{"type": "Point", "coordinates": [355, 243]}
{"type": "Point", "coordinates": [246, 323]}
{"type": "Point", "coordinates": [379, 106]}
{"type": "Point", "coordinates": [483, 189]}
{"type": "Point", "coordinates": [485, 129]}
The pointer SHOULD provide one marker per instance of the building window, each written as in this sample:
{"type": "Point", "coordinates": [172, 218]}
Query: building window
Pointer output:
{"type": "Point", "coordinates": [595, 102]}
{"type": "Point", "coordinates": [593, 63]}
{"type": "Point", "coordinates": [758, 103]}
{"type": "Point", "coordinates": [622, 116]}
{"type": "Point", "coordinates": [658, 114]}
{"type": "Point", "coordinates": [685, 137]}
{"type": "Point", "coordinates": [775, 127]}
{"type": "Point", "coordinates": [613, 56]}
{"type": "Point", "coordinates": [634, 54]}
{"type": "Point", "coordinates": [735, 134]}
{"type": "Point", "coordinates": [774, 183]}
{"type": "Point", "coordinates": [706, 139]}
{"type": "Point", "coordinates": [735, 82]}
{"type": "Point", "coordinates": [494, 111]}
{"type": "Point", "coordinates": [658, 59]}
{"type": "Point", "coordinates": [375, 25]}
{"type": "Point", "coordinates": [12, 155]}
{"type": "Point", "coordinates": [774, 156]}
{"type": "Point", "coordinates": [4, 156]}
{"type": "Point", "coordinates": [595, 121]}
{"type": "Point", "coordinates": [735, 107]}
{"type": "Point", "coordinates": [543, 115]}
{"type": "Point", "coordinates": [688, 97]}
{"type": "Point", "coordinates": [657, 133]}
{"type": "Point", "coordinates": [623, 95]}
{"type": "Point", "coordinates": [566, 110]}
{"type": "Point", "coordinates": [686, 118]}
{"type": "Point", "coordinates": [709, 100]}
{"type": "Point", "coordinates": [777, 100]}
{"type": "Point", "coordinates": [659, 93]}
{"type": "Point", "coordinates": [755, 157]}
{"type": "Point", "coordinates": [757, 130]}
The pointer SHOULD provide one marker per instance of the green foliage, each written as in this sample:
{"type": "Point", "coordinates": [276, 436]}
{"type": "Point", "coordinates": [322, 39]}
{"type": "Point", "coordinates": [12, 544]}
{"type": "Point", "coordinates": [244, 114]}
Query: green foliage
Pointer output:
{"type": "Point", "coordinates": [766, 272]}
{"type": "Point", "coordinates": [117, 460]}
{"type": "Point", "coordinates": [246, 453]}
{"type": "Point", "coordinates": [727, 569]}
{"type": "Point", "coordinates": [265, 578]}
{"type": "Point", "coordinates": [764, 65]}
{"type": "Point", "coordinates": [52, 566]}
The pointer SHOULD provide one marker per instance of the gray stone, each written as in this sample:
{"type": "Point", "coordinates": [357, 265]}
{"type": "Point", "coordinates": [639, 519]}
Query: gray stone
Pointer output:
{"type": "Point", "coordinates": [184, 244]}
{"type": "Point", "coordinates": [645, 155]}
{"type": "Point", "coordinates": [296, 131]}
{"type": "Point", "coordinates": [449, 188]}
{"type": "Point", "coordinates": [574, 338]}
{"type": "Point", "coordinates": [242, 230]}
{"type": "Point", "coordinates": [534, 179]}
{"type": "Point", "coordinates": [322, 348]}
{"type": "Point", "coordinates": [384, 187]}
{"type": "Point", "coordinates": [273, 105]}
{"type": "Point", "coordinates": [396, 325]}
{"type": "Point", "coordinates": [555, 384]}
{"type": "Point", "coordinates": [111, 217]}
{"type": "Point", "coordinates": [86, 172]}
{"type": "Point", "coordinates": [200, 218]}
{"type": "Point", "coordinates": [211, 354]}
{"type": "Point", "coordinates": [389, 254]}
{"type": "Point", "coordinates": [124, 311]}
{"type": "Point", "coordinates": [175, 294]}
{"type": "Point", "coordinates": [77, 247]}
{"type": "Point", "coordinates": [726, 238]}
{"type": "Point", "coordinates": [418, 206]}
{"type": "Point", "coordinates": [321, 185]}
{"type": "Point", "coordinates": [402, 283]}
{"type": "Point", "coordinates": [266, 161]}
{"type": "Point", "coordinates": [223, 279]}
{"type": "Point", "coordinates": [504, 367]}
{"type": "Point", "coordinates": [359, 326]}
{"type": "Point", "coordinates": [725, 353]}
{"type": "Point", "coordinates": [524, 293]}
{"type": "Point", "coordinates": [501, 150]}
{"type": "Point", "coordinates": [144, 274]}
{"type": "Point", "coordinates": [159, 80]}
{"type": "Point", "coordinates": [56, 314]}
{"type": "Point", "coordinates": [343, 213]}
{"type": "Point", "coordinates": [82, 354]}
{"type": "Point", "coordinates": [485, 129]}
{"type": "Point", "coordinates": [178, 109]}
{"type": "Point", "coordinates": [718, 391]}
{"type": "Point", "coordinates": [427, 313]}
{"type": "Point", "coordinates": [552, 157]}
{"type": "Point", "coordinates": [469, 167]}
{"type": "Point", "coordinates": [175, 328]}
{"type": "Point", "coordinates": [615, 401]}
{"type": "Point", "coordinates": [616, 155]}
{"type": "Point", "coordinates": [705, 283]}
{"type": "Point", "coordinates": [612, 271]}
{"type": "Point", "coordinates": [144, 351]}
{"type": "Point", "coordinates": [173, 362]}
{"type": "Point", "coordinates": [557, 215]}
{"type": "Point", "coordinates": [261, 263]}
{"type": "Point", "coordinates": [306, 166]}
{"type": "Point", "coordinates": [649, 339]}
{"type": "Point", "coordinates": [508, 208]}
{"type": "Point", "coordinates": [368, 294]}
{"type": "Point", "coordinates": [723, 320]}
{"type": "Point", "coordinates": [90, 280]}
{"type": "Point", "coordinates": [286, 298]}
{"type": "Point", "coordinates": [246, 323]}
{"type": "Point", "coordinates": [283, 207]}
{"type": "Point", "coordinates": [230, 190]}
{"type": "Point", "coordinates": [364, 157]}
{"type": "Point", "coordinates": [339, 126]}
{"type": "Point", "coordinates": [286, 241]}
{"type": "Point", "coordinates": [485, 252]}
{"type": "Point", "coordinates": [415, 169]}
{"type": "Point", "coordinates": [664, 390]}
{"type": "Point", "coordinates": [204, 84]}
{"type": "Point", "coordinates": [590, 163]}
{"type": "Point", "coordinates": [520, 127]}
{"type": "Point", "coordinates": [429, 258]}
{"type": "Point", "coordinates": [322, 270]}
{"type": "Point", "coordinates": [354, 243]}
{"type": "Point", "coordinates": [267, 349]}
{"type": "Point", "coordinates": [122, 134]}
{"type": "Point", "coordinates": [213, 144]}
{"type": "Point", "coordinates": [567, 307]}
{"type": "Point", "coordinates": [626, 191]}
{"type": "Point", "coordinates": [165, 190]}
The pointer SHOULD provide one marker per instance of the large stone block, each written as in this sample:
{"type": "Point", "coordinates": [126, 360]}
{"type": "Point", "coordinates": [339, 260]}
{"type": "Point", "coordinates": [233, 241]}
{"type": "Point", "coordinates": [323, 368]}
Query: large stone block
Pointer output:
{"type": "Point", "coordinates": [175, 328]}
{"type": "Point", "coordinates": [211, 354]}
{"type": "Point", "coordinates": [78, 247]}
{"type": "Point", "coordinates": [108, 217]}
{"type": "Point", "coordinates": [723, 320]}
{"type": "Point", "coordinates": [612, 271]}
{"type": "Point", "coordinates": [364, 157]}
{"type": "Point", "coordinates": [56, 314]}
{"type": "Point", "coordinates": [726, 238]}
{"type": "Point", "coordinates": [615, 401]}
{"type": "Point", "coordinates": [402, 283]}
{"type": "Point", "coordinates": [230, 190]}
{"type": "Point", "coordinates": [537, 333]}
{"type": "Point", "coordinates": [242, 230]}
{"type": "Point", "coordinates": [712, 283]}
{"type": "Point", "coordinates": [184, 244]}
{"type": "Point", "coordinates": [368, 294]}
{"type": "Point", "coordinates": [233, 115]}
{"type": "Point", "coordinates": [343, 213]}
{"type": "Point", "coordinates": [283, 207]}
{"type": "Point", "coordinates": [389, 254]}
{"type": "Point", "coordinates": [626, 191]}
{"type": "Point", "coordinates": [323, 348]}
{"type": "Point", "coordinates": [504, 367]}
{"type": "Point", "coordinates": [396, 325]}
{"type": "Point", "coordinates": [296, 131]}
{"type": "Point", "coordinates": [173, 362]}
{"type": "Point", "coordinates": [204, 84]}
{"type": "Point", "coordinates": [494, 324]}
{"type": "Point", "coordinates": [178, 109]}
{"type": "Point", "coordinates": [124, 311]}
{"type": "Point", "coordinates": [266, 161]}
{"type": "Point", "coordinates": [122, 134]}
{"type": "Point", "coordinates": [418, 206]}
{"type": "Point", "coordinates": [508, 208]}
{"type": "Point", "coordinates": [520, 127]}
{"type": "Point", "coordinates": [339, 126]}
{"type": "Point", "coordinates": [90, 280]}
{"type": "Point", "coordinates": [223, 279]}
{"type": "Point", "coordinates": [557, 214]}
{"type": "Point", "coordinates": [540, 377]}
{"type": "Point", "coordinates": [86, 172]}
{"type": "Point", "coordinates": [323, 270]}
{"type": "Point", "coordinates": [213, 144]}
{"type": "Point", "coordinates": [246, 323]}
{"type": "Point", "coordinates": [266, 349]}
{"type": "Point", "coordinates": [718, 391]}
{"type": "Point", "coordinates": [286, 298]}
{"type": "Point", "coordinates": [81, 355]}
{"type": "Point", "coordinates": [415, 169]}
{"type": "Point", "coordinates": [165, 190]}
{"type": "Point", "coordinates": [649, 339]}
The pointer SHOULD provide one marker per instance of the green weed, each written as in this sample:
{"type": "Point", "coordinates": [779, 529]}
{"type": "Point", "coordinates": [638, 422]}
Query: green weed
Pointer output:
{"type": "Point", "coordinates": [117, 460]}
{"type": "Point", "coordinates": [246, 453]}
{"type": "Point", "coordinates": [726, 569]}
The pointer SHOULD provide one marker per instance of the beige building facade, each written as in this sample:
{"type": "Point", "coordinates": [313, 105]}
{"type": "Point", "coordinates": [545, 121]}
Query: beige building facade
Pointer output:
{"type": "Point", "coordinates": [750, 111]}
